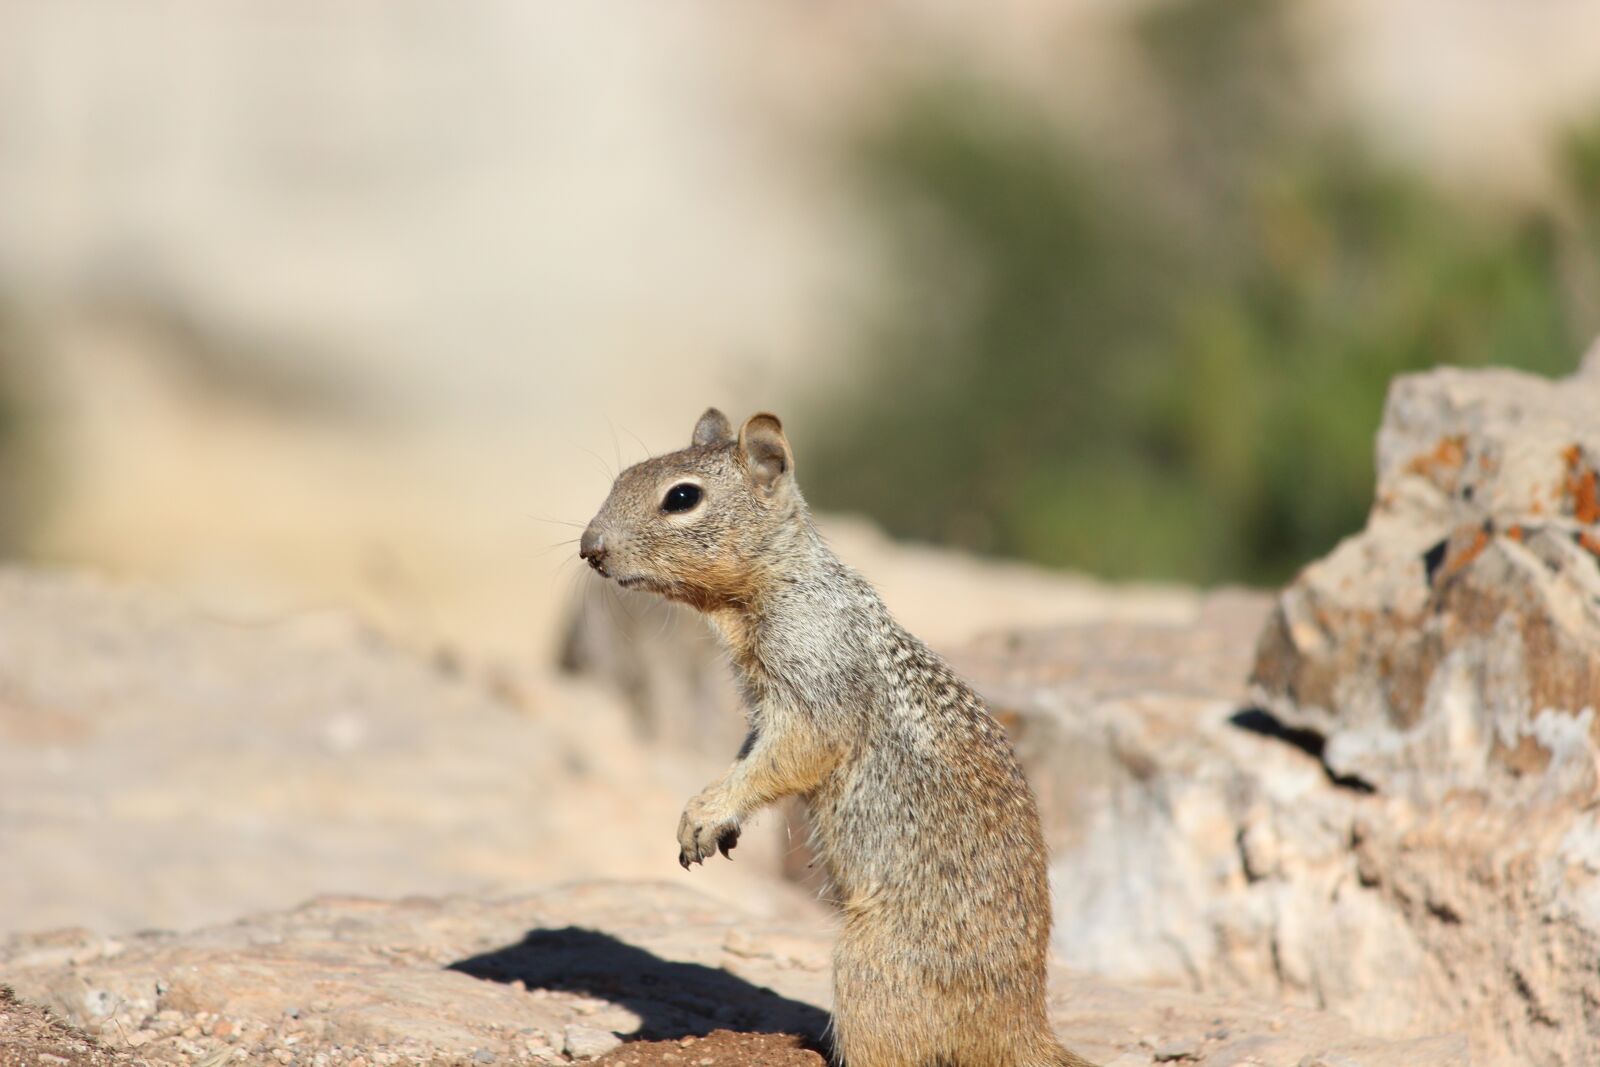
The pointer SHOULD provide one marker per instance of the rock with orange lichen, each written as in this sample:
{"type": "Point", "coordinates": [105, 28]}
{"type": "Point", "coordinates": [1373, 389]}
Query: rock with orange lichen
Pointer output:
{"type": "Point", "coordinates": [1198, 842]}
{"type": "Point", "coordinates": [1454, 644]}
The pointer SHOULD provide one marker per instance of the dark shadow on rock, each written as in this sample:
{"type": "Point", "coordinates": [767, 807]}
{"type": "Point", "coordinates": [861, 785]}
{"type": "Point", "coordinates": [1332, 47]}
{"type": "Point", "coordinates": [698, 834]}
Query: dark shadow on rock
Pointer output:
{"type": "Point", "coordinates": [1263, 722]}
{"type": "Point", "coordinates": [672, 999]}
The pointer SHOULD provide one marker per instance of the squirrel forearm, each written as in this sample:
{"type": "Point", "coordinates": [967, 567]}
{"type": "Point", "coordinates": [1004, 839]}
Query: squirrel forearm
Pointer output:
{"type": "Point", "coordinates": [779, 759]}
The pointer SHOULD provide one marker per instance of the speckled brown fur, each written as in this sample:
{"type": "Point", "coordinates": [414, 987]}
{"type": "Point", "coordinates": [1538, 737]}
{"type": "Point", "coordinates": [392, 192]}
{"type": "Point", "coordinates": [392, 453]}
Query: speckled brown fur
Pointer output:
{"type": "Point", "coordinates": [920, 812]}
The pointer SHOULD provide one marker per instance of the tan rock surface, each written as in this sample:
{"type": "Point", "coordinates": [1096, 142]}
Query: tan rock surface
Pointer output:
{"type": "Point", "coordinates": [32, 1037]}
{"type": "Point", "coordinates": [159, 768]}
{"type": "Point", "coordinates": [496, 981]}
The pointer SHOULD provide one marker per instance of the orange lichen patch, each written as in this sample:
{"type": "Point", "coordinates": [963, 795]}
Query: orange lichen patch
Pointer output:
{"type": "Point", "coordinates": [1586, 502]}
{"type": "Point", "coordinates": [1464, 550]}
{"type": "Point", "coordinates": [1444, 462]}
{"type": "Point", "coordinates": [1590, 543]}
{"type": "Point", "coordinates": [1515, 533]}
{"type": "Point", "coordinates": [1582, 486]}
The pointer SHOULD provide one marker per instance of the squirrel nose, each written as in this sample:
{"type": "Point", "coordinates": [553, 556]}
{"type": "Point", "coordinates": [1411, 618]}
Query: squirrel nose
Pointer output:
{"type": "Point", "coordinates": [593, 548]}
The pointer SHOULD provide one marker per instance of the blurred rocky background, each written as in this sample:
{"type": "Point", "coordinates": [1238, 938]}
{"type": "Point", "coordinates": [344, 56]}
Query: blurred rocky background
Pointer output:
{"type": "Point", "coordinates": [1113, 341]}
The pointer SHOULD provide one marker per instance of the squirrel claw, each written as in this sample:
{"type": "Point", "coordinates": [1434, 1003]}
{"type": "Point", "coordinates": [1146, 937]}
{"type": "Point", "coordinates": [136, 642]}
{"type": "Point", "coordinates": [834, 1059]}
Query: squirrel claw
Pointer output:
{"type": "Point", "coordinates": [705, 827]}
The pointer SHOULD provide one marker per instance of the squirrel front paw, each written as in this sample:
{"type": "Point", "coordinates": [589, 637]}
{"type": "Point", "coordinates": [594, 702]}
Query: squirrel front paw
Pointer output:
{"type": "Point", "coordinates": [705, 827]}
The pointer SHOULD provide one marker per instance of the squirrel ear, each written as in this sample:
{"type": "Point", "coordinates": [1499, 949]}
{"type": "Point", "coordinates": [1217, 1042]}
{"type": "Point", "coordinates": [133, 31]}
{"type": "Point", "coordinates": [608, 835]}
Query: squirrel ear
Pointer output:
{"type": "Point", "coordinates": [765, 451]}
{"type": "Point", "coordinates": [712, 429]}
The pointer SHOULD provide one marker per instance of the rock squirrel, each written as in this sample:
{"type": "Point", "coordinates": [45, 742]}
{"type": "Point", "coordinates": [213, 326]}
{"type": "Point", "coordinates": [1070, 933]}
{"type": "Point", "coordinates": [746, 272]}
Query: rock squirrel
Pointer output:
{"type": "Point", "coordinates": [920, 814]}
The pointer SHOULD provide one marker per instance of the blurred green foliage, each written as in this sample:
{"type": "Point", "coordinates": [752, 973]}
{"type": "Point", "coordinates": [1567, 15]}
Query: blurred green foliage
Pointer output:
{"type": "Point", "coordinates": [22, 455]}
{"type": "Point", "coordinates": [1174, 366]}
{"type": "Point", "coordinates": [10, 435]}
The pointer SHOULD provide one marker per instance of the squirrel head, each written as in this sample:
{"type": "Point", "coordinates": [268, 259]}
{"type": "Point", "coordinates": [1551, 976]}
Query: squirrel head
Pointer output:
{"type": "Point", "coordinates": [706, 524]}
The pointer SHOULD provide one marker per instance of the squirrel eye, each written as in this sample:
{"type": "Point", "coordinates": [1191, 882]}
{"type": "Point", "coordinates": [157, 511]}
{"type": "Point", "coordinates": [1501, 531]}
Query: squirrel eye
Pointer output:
{"type": "Point", "coordinates": [681, 497]}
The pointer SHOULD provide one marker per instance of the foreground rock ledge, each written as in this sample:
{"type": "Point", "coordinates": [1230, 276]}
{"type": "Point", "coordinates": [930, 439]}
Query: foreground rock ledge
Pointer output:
{"type": "Point", "coordinates": [474, 981]}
